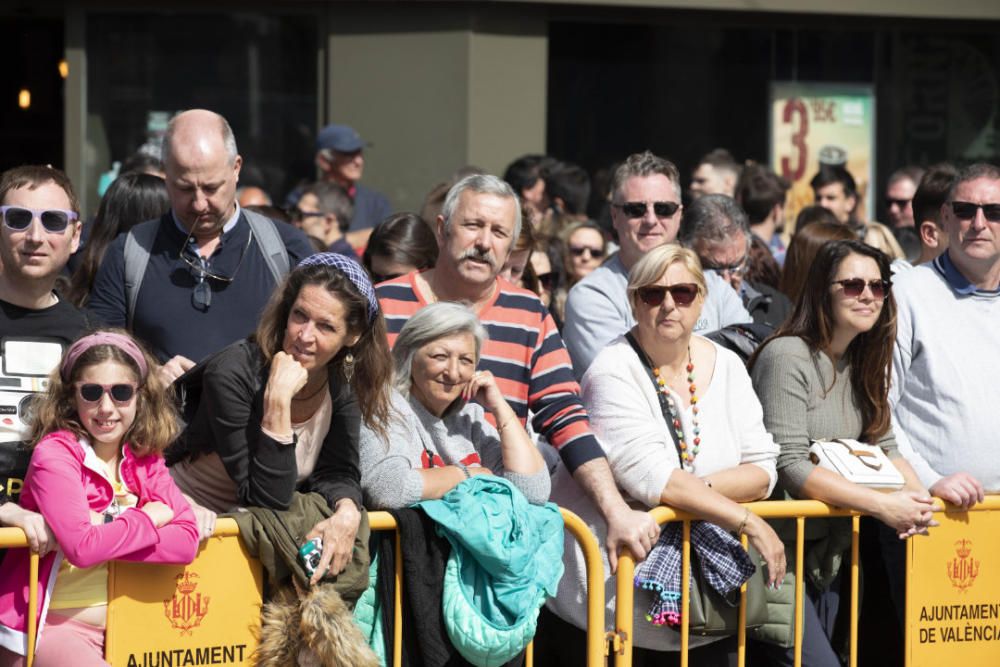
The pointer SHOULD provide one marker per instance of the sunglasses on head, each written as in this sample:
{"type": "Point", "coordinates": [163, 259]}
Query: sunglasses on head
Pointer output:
{"type": "Point", "coordinates": [92, 393]}
{"type": "Point", "coordinates": [966, 210]}
{"type": "Point", "coordinates": [578, 250]}
{"type": "Point", "coordinates": [855, 287]}
{"type": "Point", "coordinates": [683, 294]}
{"type": "Point", "coordinates": [637, 209]}
{"type": "Point", "coordinates": [54, 220]}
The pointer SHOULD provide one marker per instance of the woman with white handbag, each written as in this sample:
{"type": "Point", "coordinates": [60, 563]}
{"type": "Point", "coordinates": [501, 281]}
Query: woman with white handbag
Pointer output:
{"type": "Point", "coordinates": [823, 381]}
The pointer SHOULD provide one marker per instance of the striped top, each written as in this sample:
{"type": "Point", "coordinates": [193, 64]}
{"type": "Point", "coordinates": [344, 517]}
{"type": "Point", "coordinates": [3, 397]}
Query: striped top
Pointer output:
{"type": "Point", "coordinates": [526, 355]}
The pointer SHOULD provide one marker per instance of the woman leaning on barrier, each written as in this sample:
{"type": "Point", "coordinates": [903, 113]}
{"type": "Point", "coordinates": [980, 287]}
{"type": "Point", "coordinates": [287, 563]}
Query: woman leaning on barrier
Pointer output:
{"type": "Point", "coordinates": [282, 411]}
{"type": "Point", "coordinates": [824, 375]}
{"type": "Point", "coordinates": [682, 427]}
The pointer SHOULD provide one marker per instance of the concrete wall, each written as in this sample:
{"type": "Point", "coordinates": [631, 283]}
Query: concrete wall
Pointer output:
{"type": "Point", "coordinates": [435, 90]}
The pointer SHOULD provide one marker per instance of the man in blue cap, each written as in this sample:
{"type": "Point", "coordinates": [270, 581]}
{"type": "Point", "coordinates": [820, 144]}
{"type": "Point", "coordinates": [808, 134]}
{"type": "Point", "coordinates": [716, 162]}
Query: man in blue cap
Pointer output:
{"type": "Point", "coordinates": [340, 157]}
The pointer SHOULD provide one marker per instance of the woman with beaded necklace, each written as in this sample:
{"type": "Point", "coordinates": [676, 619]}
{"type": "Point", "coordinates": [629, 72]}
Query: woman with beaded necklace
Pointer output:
{"type": "Point", "coordinates": [682, 427]}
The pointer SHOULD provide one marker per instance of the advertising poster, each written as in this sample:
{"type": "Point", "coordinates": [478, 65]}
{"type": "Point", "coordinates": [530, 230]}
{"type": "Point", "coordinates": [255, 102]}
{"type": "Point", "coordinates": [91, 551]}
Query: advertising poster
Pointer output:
{"type": "Point", "coordinates": [821, 123]}
{"type": "Point", "coordinates": [952, 600]}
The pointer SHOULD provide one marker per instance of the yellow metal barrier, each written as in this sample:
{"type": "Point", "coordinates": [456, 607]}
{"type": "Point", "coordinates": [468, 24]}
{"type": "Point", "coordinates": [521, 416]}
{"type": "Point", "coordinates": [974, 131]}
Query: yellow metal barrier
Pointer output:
{"type": "Point", "coordinates": [800, 510]}
{"type": "Point", "coordinates": [15, 538]}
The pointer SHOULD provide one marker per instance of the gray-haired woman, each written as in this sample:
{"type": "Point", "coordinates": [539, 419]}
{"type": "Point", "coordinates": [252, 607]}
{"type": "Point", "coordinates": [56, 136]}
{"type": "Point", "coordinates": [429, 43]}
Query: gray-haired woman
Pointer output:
{"type": "Point", "coordinates": [437, 437]}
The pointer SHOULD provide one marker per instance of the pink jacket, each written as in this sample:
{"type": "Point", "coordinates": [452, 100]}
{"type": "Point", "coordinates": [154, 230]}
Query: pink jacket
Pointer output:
{"type": "Point", "coordinates": [63, 484]}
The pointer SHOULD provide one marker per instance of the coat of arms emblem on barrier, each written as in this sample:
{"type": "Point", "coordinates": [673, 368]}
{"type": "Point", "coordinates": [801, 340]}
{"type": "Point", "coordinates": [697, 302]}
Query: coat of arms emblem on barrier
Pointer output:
{"type": "Point", "coordinates": [186, 608]}
{"type": "Point", "coordinates": [963, 568]}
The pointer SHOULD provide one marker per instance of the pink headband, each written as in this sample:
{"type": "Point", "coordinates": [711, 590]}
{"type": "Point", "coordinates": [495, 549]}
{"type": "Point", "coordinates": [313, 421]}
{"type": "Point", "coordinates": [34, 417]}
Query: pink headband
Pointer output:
{"type": "Point", "coordinates": [123, 343]}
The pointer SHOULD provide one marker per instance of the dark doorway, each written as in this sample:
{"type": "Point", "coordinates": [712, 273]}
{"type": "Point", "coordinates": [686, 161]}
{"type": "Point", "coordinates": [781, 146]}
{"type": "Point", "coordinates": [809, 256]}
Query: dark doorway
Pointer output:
{"type": "Point", "coordinates": [33, 49]}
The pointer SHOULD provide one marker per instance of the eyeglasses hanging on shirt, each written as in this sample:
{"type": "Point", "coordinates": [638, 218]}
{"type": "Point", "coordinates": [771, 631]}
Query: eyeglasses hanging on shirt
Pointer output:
{"type": "Point", "coordinates": [201, 270]}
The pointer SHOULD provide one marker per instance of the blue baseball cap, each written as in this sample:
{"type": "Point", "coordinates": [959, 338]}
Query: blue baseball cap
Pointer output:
{"type": "Point", "coordinates": [340, 138]}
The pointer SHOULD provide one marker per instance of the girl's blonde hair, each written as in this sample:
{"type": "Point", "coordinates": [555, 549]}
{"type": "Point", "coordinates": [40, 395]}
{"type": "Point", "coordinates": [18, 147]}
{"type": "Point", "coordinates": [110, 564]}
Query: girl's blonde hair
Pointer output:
{"type": "Point", "coordinates": [156, 423]}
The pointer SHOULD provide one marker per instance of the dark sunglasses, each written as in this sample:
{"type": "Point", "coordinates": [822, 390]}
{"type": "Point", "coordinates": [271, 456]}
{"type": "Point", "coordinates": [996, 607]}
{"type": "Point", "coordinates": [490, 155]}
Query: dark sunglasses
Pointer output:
{"type": "Point", "coordinates": [637, 209]}
{"type": "Point", "coordinates": [966, 210]}
{"type": "Point", "coordinates": [200, 268]}
{"type": "Point", "coordinates": [298, 214]}
{"type": "Point", "coordinates": [547, 280]}
{"type": "Point", "coordinates": [683, 294]}
{"type": "Point", "coordinates": [737, 269]}
{"type": "Point", "coordinates": [578, 250]}
{"type": "Point", "coordinates": [901, 203]}
{"type": "Point", "coordinates": [54, 220]}
{"type": "Point", "coordinates": [92, 393]}
{"type": "Point", "coordinates": [855, 287]}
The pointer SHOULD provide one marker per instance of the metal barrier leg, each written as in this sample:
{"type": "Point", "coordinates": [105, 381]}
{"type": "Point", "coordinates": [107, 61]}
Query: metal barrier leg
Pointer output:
{"type": "Point", "coordinates": [855, 540]}
{"type": "Point", "coordinates": [685, 593]}
{"type": "Point", "coordinates": [624, 602]}
{"type": "Point", "coordinates": [32, 606]}
{"type": "Point", "coordinates": [741, 628]}
{"type": "Point", "coordinates": [397, 614]}
{"type": "Point", "coordinates": [800, 536]}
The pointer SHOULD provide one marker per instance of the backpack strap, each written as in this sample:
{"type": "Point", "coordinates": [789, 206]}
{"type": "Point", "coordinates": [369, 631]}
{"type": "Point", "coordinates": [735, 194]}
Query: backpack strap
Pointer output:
{"type": "Point", "coordinates": [271, 245]}
{"type": "Point", "coordinates": [138, 246]}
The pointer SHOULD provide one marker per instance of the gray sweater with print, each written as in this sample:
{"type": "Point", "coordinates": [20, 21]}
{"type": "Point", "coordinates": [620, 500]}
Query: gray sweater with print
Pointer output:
{"type": "Point", "coordinates": [390, 476]}
{"type": "Point", "coordinates": [803, 400]}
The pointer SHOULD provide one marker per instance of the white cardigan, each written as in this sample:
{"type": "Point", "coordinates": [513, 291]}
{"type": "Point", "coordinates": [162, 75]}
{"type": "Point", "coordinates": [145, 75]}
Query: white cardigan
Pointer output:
{"type": "Point", "coordinates": [625, 415]}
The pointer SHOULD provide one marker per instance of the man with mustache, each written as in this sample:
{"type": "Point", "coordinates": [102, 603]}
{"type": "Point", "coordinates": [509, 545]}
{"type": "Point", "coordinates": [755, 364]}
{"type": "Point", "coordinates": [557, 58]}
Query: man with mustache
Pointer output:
{"type": "Point", "coordinates": [477, 227]}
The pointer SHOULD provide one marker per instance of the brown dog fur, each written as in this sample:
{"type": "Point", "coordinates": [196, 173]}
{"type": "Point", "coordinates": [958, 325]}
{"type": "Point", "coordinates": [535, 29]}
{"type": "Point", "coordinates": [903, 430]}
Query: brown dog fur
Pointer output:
{"type": "Point", "coordinates": [318, 621]}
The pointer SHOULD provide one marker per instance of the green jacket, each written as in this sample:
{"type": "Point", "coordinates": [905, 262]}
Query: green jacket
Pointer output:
{"type": "Point", "coordinates": [827, 542]}
{"type": "Point", "coordinates": [274, 537]}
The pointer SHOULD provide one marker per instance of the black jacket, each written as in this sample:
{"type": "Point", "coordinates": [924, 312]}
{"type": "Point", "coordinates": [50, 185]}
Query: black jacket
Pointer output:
{"type": "Point", "coordinates": [766, 305]}
{"type": "Point", "coordinates": [226, 394]}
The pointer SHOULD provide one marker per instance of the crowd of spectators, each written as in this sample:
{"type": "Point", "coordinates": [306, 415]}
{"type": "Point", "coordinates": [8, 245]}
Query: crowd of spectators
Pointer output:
{"type": "Point", "coordinates": [338, 349]}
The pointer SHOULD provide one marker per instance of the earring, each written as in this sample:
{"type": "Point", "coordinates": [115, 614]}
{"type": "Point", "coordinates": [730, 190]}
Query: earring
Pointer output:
{"type": "Point", "coordinates": [349, 365]}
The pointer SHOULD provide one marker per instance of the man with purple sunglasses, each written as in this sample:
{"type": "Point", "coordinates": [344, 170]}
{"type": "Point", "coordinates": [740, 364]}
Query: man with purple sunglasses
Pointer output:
{"type": "Point", "coordinates": [39, 230]}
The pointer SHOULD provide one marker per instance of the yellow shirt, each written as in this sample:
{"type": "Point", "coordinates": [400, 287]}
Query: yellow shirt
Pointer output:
{"type": "Point", "coordinates": [88, 586]}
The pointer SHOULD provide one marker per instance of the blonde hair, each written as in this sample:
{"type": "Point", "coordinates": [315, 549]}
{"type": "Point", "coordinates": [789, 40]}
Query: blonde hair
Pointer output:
{"type": "Point", "coordinates": [879, 236]}
{"type": "Point", "coordinates": [156, 423]}
{"type": "Point", "coordinates": [651, 267]}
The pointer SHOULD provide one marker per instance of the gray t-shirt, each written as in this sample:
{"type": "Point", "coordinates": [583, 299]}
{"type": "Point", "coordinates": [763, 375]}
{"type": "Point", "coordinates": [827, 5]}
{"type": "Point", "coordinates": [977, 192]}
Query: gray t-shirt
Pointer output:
{"type": "Point", "coordinates": [805, 399]}
{"type": "Point", "coordinates": [390, 476]}
{"type": "Point", "coordinates": [598, 311]}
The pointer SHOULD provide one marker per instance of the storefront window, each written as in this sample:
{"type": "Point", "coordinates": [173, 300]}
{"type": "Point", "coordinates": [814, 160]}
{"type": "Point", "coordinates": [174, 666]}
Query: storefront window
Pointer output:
{"type": "Point", "coordinates": [257, 70]}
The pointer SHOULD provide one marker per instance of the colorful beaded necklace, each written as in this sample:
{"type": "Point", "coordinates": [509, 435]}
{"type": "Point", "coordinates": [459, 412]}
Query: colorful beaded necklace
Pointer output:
{"type": "Point", "coordinates": [687, 455]}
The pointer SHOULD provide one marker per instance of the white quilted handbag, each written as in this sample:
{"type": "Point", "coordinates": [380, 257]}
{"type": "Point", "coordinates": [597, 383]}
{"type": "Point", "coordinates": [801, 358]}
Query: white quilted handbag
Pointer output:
{"type": "Point", "coordinates": [857, 462]}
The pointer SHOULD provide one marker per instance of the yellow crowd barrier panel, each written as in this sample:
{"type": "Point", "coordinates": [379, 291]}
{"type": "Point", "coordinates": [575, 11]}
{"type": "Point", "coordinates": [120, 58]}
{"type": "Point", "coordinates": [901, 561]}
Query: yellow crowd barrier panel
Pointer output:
{"type": "Point", "coordinates": [800, 510]}
{"type": "Point", "coordinates": [952, 585]}
{"type": "Point", "coordinates": [208, 612]}
{"type": "Point", "coordinates": [953, 590]}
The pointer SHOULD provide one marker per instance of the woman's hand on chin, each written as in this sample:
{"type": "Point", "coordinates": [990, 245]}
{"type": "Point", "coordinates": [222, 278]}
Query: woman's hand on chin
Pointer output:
{"type": "Point", "coordinates": [483, 387]}
{"type": "Point", "coordinates": [287, 376]}
{"type": "Point", "coordinates": [338, 533]}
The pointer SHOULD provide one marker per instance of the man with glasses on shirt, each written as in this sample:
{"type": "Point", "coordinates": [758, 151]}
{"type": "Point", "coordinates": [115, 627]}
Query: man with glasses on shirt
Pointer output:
{"type": "Point", "coordinates": [209, 267]}
{"type": "Point", "coordinates": [40, 230]}
{"type": "Point", "coordinates": [645, 214]}
{"type": "Point", "coordinates": [718, 230]}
